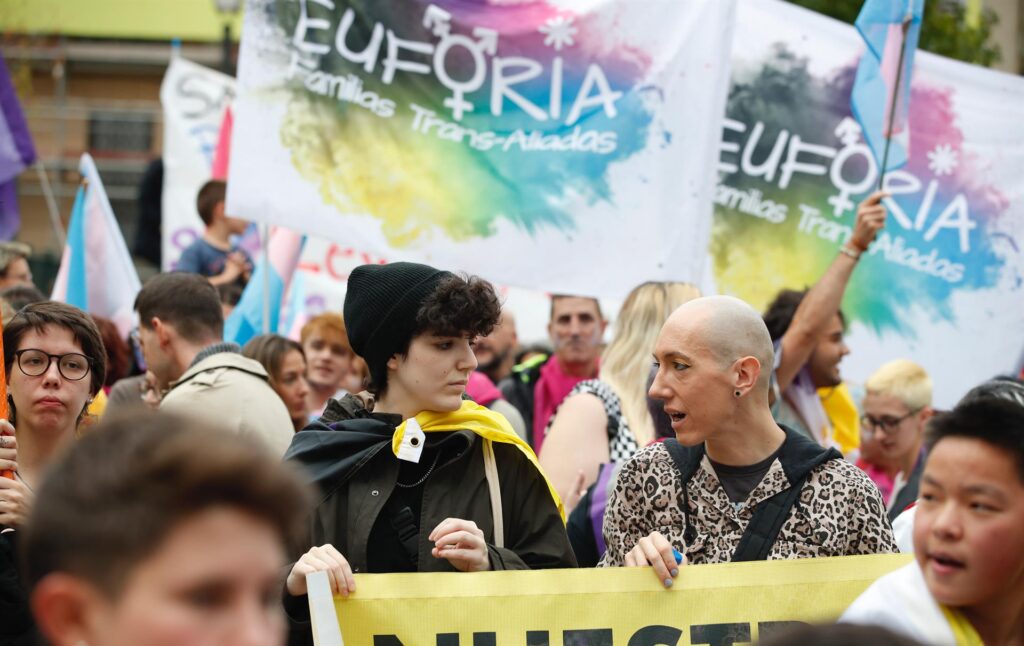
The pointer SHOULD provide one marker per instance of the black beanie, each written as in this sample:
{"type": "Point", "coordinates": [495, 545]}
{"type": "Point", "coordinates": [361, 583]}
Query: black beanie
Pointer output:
{"type": "Point", "coordinates": [381, 306]}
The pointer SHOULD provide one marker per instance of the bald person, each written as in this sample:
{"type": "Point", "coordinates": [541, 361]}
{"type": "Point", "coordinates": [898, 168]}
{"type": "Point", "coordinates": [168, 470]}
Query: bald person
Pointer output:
{"type": "Point", "coordinates": [733, 485]}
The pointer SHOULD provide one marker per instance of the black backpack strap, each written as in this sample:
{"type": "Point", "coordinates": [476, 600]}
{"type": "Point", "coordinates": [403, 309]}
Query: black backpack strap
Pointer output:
{"type": "Point", "coordinates": [687, 459]}
{"type": "Point", "coordinates": [404, 524]}
{"type": "Point", "coordinates": [770, 515]}
{"type": "Point", "coordinates": [766, 524]}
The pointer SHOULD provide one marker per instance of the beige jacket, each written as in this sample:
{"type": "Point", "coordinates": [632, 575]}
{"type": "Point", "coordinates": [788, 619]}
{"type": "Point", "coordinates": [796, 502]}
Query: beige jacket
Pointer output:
{"type": "Point", "coordinates": [233, 392]}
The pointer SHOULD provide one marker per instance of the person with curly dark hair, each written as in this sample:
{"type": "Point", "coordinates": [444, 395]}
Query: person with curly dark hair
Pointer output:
{"type": "Point", "coordinates": [807, 328]}
{"type": "Point", "coordinates": [415, 477]}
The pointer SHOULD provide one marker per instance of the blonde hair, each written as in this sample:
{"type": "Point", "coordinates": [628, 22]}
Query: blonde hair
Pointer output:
{"type": "Point", "coordinates": [904, 380]}
{"type": "Point", "coordinates": [626, 362]}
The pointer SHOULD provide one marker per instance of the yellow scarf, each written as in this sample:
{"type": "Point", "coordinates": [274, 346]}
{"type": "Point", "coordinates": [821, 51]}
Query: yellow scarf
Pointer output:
{"type": "Point", "coordinates": [485, 423]}
{"type": "Point", "coordinates": [842, 412]}
{"type": "Point", "coordinates": [963, 631]}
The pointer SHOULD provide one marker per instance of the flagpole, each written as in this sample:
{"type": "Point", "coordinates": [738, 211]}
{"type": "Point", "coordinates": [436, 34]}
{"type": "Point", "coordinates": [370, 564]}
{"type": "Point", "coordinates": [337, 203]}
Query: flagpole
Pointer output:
{"type": "Point", "coordinates": [265, 241]}
{"type": "Point", "coordinates": [51, 204]}
{"type": "Point", "coordinates": [907, 19]}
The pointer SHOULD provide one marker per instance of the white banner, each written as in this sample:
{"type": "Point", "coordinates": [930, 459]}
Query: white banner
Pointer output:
{"type": "Point", "coordinates": [325, 266]}
{"type": "Point", "coordinates": [193, 98]}
{"type": "Point", "coordinates": [558, 146]}
{"type": "Point", "coordinates": [944, 283]}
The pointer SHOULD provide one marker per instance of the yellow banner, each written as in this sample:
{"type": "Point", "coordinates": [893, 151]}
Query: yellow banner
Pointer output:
{"type": "Point", "coordinates": [709, 604]}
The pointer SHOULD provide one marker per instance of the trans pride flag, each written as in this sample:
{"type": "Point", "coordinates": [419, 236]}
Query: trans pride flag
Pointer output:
{"type": "Point", "coordinates": [96, 271]}
{"type": "Point", "coordinates": [269, 282]}
{"type": "Point", "coordinates": [222, 153]}
{"type": "Point", "coordinates": [16, 152]}
{"type": "Point", "coordinates": [885, 25]}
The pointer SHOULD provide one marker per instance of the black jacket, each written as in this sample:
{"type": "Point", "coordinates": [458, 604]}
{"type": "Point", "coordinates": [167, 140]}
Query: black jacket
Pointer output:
{"type": "Point", "coordinates": [518, 389]}
{"type": "Point", "coordinates": [348, 454]}
{"type": "Point", "coordinates": [17, 627]}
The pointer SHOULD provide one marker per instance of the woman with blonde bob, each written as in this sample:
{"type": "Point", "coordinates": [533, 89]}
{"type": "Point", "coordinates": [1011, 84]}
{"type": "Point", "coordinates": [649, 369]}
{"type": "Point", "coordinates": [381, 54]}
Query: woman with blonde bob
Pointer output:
{"type": "Point", "coordinates": [607, 419]}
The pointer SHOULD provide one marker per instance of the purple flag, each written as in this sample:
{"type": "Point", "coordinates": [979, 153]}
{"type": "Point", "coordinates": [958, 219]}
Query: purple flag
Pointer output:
{"type": "Point", "coordinates": [16, 152]}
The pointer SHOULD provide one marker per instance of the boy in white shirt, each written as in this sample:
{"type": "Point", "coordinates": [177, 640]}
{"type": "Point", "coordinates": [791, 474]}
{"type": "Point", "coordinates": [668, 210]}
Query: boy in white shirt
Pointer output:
{"type": "Point", "coordinates": [966, 585]}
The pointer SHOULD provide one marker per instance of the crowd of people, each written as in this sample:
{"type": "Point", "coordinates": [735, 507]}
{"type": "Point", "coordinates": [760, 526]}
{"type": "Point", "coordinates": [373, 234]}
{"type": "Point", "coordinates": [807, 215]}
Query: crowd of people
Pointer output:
{"type": "Point", "coordinates": [173, 488]}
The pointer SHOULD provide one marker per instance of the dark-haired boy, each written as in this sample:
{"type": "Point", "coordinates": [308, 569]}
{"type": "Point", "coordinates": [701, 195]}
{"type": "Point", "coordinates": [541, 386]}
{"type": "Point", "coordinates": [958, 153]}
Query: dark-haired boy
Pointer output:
{"type": "Point", "coordinates": [181, 332]}
{"type": "Point", "coordinates": [178, 539]}
{"type": "Point", "coordinates": [213, 255]}
{"type": "Point", "coordinates": [966, 585]}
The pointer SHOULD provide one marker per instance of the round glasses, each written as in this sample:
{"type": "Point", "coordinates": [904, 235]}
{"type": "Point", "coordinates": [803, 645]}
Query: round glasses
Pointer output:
{"type": "Point", "coordinates": [73, 366]}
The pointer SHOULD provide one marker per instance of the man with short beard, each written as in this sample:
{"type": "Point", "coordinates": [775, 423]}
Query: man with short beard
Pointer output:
{"type": "Point", "coordinates": [495, 352]}
{"type": "Point", "coordinates": [537, 386]}
{"type": "Point", "coordinates": [807, 330]}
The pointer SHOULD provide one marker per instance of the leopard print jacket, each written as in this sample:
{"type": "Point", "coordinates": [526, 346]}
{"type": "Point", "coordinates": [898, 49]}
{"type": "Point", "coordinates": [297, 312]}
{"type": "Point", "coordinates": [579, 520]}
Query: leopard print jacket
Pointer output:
{"type": "Point", "coordinates": [839, 511]}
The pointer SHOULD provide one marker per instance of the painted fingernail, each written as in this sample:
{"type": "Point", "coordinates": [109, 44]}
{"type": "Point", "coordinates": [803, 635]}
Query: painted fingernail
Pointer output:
{"type": "Point", "coordinates": [675, 572]}
{"type": "Point", "coordinates": [668, 583]}
{"type": "Point", "coordinates": [678, 556]}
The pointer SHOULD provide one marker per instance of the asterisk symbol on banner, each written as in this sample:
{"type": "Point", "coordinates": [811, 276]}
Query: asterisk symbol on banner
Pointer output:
{"type": "Point", "coordinates": [559, 32]}
{"type": "Point", "coordinates": [942, 159]}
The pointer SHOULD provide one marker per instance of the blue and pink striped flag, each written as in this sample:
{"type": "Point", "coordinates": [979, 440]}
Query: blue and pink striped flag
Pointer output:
{"type": "Point", "coordinates": [222, 153]}
{"type": "Point", "coordinates": [884, 25]}
{"type": "Point", "coordinates": [247, 319]}
{"type": "Point", "coordinates": [16, 153]}
{"type": "Point", "coordinates": [296, 314]}
{"type": "Point", "coordinates": [96, 271]}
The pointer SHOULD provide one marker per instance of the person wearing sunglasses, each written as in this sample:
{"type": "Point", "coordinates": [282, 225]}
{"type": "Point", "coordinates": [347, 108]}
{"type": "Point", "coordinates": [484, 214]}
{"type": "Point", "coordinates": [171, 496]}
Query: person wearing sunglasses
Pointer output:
{"type": "Point", "coordinates": [55, 364]}
{"type": "Point", "coordinates": [897, 403]}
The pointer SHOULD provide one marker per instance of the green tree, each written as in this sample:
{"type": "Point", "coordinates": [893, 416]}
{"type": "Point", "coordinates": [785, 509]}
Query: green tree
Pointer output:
{"type": "Point", "coordinates": [944, 30]}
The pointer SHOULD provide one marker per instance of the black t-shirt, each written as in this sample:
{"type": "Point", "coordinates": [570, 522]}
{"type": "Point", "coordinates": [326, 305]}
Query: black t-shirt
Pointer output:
{"type": "Point", "coordinates": [738, 482]}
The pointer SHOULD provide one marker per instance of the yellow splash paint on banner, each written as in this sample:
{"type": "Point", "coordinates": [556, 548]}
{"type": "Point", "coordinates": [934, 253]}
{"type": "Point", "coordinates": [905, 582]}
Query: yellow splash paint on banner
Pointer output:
{"type": "Point", "coordinates": [709, 604]}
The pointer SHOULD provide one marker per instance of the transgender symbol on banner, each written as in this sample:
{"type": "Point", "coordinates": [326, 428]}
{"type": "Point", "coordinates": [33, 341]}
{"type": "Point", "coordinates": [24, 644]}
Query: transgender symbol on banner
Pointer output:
{"type": "Point", "coordinates": [535, 143]}
{"type": "Point", "coordinates": [943, 284]}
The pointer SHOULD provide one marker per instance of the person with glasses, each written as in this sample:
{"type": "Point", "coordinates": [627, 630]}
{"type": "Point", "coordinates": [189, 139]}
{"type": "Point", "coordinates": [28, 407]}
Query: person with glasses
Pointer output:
{"type": "Point", "coordinates": [55, 364]}
{"type": "Point", "coordinates": [897, 403]}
